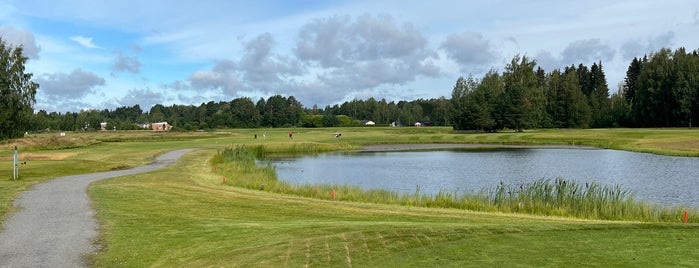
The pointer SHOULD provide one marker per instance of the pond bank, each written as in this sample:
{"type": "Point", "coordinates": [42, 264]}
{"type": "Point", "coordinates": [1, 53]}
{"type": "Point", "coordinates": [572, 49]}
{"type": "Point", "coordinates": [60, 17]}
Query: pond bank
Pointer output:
{"type": "Point", "coordinates": [446, 146]}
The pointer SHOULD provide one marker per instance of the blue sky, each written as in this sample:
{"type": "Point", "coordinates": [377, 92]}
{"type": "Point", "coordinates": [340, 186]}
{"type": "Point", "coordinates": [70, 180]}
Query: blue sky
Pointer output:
{"type": "Point", "coordinates": [106, 54]}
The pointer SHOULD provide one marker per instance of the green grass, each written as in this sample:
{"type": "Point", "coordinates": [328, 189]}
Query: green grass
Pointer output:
{"type": "Point", "coordinates": [185, 216]}
{"type": "Point", "coordinates": [84, 153]}
{"type": "Point", "coordinates": [567, 198]}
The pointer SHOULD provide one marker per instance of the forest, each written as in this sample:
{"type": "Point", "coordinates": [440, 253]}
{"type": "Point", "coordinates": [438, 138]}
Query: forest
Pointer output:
{"type": "Point", "coordinates": [660, 90]}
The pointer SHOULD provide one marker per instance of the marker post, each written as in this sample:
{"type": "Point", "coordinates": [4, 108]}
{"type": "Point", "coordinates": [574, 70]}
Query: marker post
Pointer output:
{"type": "Point", "coordinates": [16, 166]}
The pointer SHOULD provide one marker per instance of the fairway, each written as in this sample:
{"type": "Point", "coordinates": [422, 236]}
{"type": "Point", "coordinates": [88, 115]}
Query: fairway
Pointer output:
{"type": "Point", "coordinates": [184, 215]}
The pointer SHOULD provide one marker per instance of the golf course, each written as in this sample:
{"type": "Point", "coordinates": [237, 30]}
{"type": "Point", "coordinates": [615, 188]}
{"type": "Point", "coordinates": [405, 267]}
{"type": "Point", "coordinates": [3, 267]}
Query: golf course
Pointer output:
{"type": "Point", "coordinates": [221, 206]}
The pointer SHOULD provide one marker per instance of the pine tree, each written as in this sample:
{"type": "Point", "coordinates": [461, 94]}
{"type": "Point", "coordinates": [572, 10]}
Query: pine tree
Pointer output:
{"type": "Point", "coordinates": [577, 112]}
{"type": "Point", "coordinates": [631, 89]}
{"type": "Point", "coordinates": [686, 85]}
{"type": "Point", "coordinates": [599, 97]}
{"type": "Point", "coordinates": [521, 102]}
{"type": "Point", "coordinates": [459, 100]}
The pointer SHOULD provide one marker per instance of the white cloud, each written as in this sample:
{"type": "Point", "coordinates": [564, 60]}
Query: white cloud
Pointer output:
{"type": "Point", "coordinates": [124, 63]}
{"type": "Point", "coordinates": [17, 37]}
{"type": "Point", "coordinates": [325, 52]}
{"type": "Point", "coordinates": [74, 85]}
{"type": "Point", "coordinates": [258, 69]}
{"type": "Point", "coordinates": [223, 77]}
{"type": "Point", "coordinates": [351, 55]}
{"type": "Point", "coordinates": [84, 41]}
{"type": "Point", "coordinates": [337, 41]}
{"type": "Point", "coordinates": [638, 48]}
{"type": "Point", "coordinates": [146, 98]}
{"type": "Point", "coordinates": [577, 52]}
{"type": "Point", "coordinates": [471, 51]}
{"type": "Point", "coordinates": [586, 52]}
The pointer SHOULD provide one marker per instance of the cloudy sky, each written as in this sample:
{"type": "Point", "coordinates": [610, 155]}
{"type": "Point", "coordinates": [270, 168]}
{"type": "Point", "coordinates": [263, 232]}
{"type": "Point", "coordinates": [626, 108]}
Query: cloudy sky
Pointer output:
{"type": "Point", "coordinates": [107, 54]}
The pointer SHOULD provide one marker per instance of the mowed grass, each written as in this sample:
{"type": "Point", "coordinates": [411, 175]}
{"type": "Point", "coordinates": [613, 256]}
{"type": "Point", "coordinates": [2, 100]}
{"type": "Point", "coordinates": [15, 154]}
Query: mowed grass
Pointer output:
{"type": "Point", "coordinates": [47, 156]}
{"type": "Point", "coordinates": [184, 216]}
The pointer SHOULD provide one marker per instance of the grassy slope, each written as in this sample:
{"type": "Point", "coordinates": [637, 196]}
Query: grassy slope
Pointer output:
{"type": "Point", "coordinates": [182, 216]}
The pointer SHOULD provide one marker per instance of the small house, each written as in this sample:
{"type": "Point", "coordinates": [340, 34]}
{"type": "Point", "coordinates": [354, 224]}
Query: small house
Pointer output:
{"type": "Point", "coordinates": [161, 126]}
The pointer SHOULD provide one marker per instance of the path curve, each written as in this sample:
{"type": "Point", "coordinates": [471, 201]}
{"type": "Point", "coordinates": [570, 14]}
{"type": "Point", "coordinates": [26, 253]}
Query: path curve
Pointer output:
{"type": "Point", "coordinates": [56, 226]}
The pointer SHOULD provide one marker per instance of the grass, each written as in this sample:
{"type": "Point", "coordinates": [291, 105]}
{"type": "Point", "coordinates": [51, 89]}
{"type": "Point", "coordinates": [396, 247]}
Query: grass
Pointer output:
{"type": "Point", "coordinates": [567, 198]}
{"type": "Point", "coordinates": [84, 153]}
{"type": "Point", "coordinates": [185, 216]}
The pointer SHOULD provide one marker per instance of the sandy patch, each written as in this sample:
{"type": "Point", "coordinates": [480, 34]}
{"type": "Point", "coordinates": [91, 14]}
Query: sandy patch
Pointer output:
{"type": "Point", "coordinates": [41, 156]}
{"type": "Point", "coordinates": [691, 145]}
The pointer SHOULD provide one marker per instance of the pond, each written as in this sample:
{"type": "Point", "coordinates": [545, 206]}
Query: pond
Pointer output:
{"type": "Point", "coordinates": [662, 180]}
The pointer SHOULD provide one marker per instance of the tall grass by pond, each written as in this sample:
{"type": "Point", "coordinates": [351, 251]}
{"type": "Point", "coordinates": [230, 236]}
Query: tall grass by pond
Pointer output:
{"type": "Point", "coordinates": [244, 166]}
{"type": "Point", "coordinates": [560, 197]}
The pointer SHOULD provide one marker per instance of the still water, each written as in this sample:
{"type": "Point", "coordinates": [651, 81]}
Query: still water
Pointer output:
{"type": "Point", "coordinates": [661, 180]}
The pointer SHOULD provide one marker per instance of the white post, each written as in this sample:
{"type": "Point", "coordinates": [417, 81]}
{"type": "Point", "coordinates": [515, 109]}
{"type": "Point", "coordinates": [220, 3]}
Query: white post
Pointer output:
{"type": "Point", "coordinates": [16, 166]}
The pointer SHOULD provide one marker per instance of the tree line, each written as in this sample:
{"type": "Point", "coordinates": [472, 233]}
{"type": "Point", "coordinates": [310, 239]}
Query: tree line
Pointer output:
{"type": "Point", "coordinates": [660, 90]}
{"type": "Point", "coordinates": [275, 111]}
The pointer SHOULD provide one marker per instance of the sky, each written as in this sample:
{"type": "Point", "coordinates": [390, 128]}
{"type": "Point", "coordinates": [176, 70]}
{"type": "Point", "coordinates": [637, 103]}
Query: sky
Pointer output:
{"type": "Point", "coordinates": [88, 54]}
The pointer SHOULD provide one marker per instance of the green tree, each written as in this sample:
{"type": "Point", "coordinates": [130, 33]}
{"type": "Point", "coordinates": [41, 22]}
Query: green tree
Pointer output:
{"type": "Point", "coordinates": [631, 90]}
{"type": "Point", "coordinates": [330, 120]}
{"type": "Point", "coordinates": [482, 102]}
{"type": "Point", "coordinates": [620, 110]}
{"type": "Point", "coordinates": [686, 85]}
{"type": "Point", "coordinates": [459, 102]}
{"type": "Point", "coordinates": [577, 110]}
{"type": "Point", "coordinates": [556, 105]}
{"type": "Point", "coordinates": [312, 120]}
{"type": "Point", "coordinates": [68, 121]}
{"type": "Point", "coordinates": [17, 92]}
{"type": "Point", "coordinates": [441, 112]}
{"type": "Point", "coordinates": [244, 113]}
{"type": "Point", "coordinates": [584, 79]}
{"type": "Point", "coordinates": [654, 97]}
{"type": "Point", "coordinates": [294, 111]}
{"type": "Point", "coordinates": [522, 104]}
{"type": "Point", "coordinates": [381, 113]}
{"type": "Point", "coordinates": [599, 97]}
{"type": "Point", "coordinates": [157, 113]}
{"type": "Point", "coordinates": [479, 110]}
{"type": "Point", "coordinates": [279, 111]}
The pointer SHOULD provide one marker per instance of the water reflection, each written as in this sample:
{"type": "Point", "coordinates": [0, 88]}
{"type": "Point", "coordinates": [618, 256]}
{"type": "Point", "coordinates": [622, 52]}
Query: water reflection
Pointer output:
{"type": "Point", "coordinates": [657, 179]}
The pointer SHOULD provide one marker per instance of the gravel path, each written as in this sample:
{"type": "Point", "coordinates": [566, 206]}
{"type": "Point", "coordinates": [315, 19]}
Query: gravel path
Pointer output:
{"type": "Point", "coordinates": [55, 226]}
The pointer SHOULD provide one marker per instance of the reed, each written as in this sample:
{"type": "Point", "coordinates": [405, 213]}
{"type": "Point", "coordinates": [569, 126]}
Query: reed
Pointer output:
{"type": "Point", "coordinates": [561, 197]}
{"type": "Point", "coordinates": [297, 148]}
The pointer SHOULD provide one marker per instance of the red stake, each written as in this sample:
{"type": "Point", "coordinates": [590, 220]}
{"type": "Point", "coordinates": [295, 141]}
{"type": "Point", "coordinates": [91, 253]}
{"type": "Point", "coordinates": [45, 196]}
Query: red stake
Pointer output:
{"type": "Point", "coordinates": [684, 219]}
{"type": "Point", "coordinates": [334, 195]}
{"type": "Point", "coordinates": [224, 179]}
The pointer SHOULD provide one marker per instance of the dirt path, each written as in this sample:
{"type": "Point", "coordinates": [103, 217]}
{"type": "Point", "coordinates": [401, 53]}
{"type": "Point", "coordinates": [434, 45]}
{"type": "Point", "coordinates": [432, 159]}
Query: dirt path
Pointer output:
{"type": "Point", "coordinates": [55, 226]}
